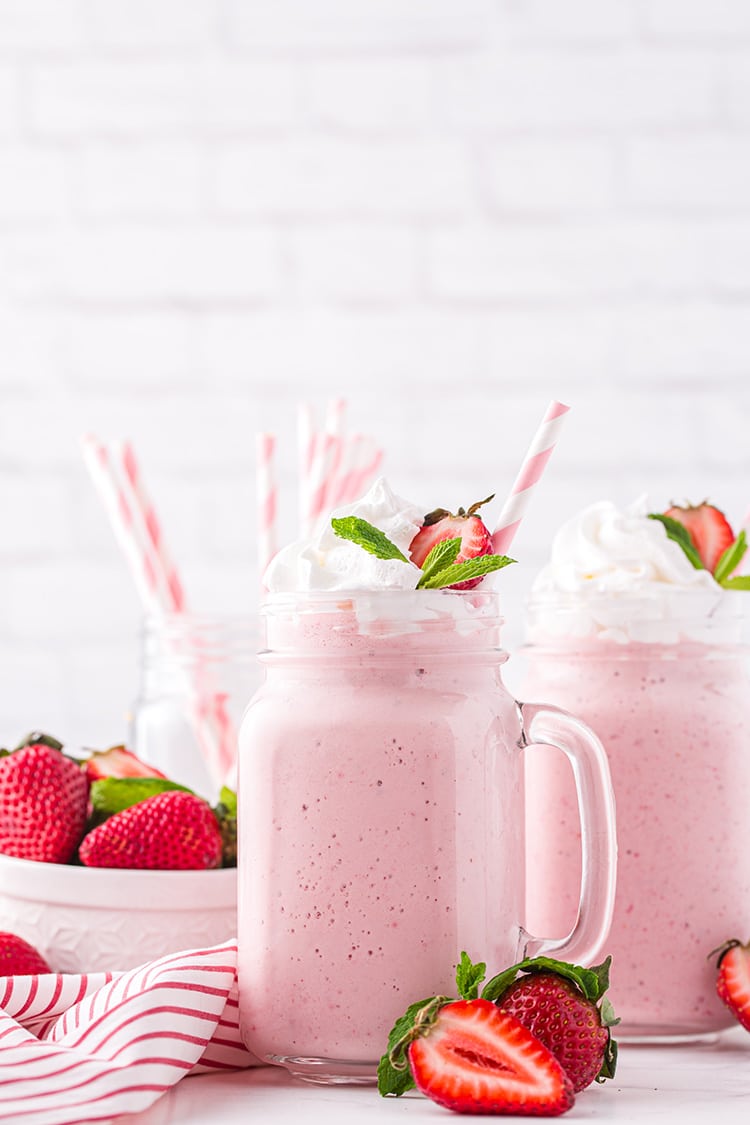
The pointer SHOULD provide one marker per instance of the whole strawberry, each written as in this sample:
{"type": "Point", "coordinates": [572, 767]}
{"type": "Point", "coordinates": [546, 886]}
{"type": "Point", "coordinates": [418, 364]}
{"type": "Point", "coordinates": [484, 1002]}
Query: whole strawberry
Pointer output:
{"type": "Point", "coordinates": [465, 525]}
{"type": "Point", "coordinates": [562, 1005]}
{"type": "Point", "coordinates": [18, 958]}
{"type": "Point", "coordinates": [733, 979]}
{"type": "Point", "coordinates": [172, 831]}
{"type": "Point", "coordinates": [43, 799]}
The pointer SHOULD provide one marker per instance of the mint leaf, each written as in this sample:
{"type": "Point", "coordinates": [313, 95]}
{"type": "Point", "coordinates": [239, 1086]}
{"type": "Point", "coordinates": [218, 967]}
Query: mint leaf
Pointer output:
{"type": "Point", "coordinates": [680, 535]}
{"type": "Point", "coordinates": [367, 536]}
{"type": "Point", "coordinates": [463, 571]}
{"type": "Point", "coordinates": [443, 554]}
{"type": "Point", "coordinates": [731, 558]}
{"type": "Point", "coordinates": [111, 795]}
{"type": "Point", "coordinates": [394, 1075]}
{"type": "Point", "coordinates": [741, 582]}
{"type": "Point", "coordinates": [469, 976]}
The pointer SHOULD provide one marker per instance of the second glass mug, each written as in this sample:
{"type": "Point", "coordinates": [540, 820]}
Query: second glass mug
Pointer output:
{"type": "Point", "coordinates": [670, 699]}
{"type": "Point", "coordinates": [381, 821]}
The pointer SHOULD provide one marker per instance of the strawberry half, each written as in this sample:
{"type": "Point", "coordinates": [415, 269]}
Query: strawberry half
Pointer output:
{"type": "Point", "coordinates": [43, 803]}
{"type": "Point", "coordinates": [465, 525]}
{"type": "Point", "coordinates": [708, 528]}
{"type": "Point", "coordinates": [473, 1058]}
{"type": "Point", "coordinates": [733, 980]}
{"type": "Point", "coordinates": [18, 958]}
{"type": "Point", "coordinates": [118, 762]}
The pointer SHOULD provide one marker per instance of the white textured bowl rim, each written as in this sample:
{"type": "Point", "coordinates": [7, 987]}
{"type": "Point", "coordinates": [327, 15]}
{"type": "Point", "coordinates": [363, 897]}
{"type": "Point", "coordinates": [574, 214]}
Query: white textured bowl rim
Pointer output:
{"type": "Point", "coordinates": [117, 888]}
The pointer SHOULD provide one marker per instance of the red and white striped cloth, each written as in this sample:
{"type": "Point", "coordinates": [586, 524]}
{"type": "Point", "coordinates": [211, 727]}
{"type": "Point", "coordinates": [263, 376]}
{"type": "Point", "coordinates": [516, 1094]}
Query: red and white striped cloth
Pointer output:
{"type": "Point", "coordinates": [92, 1047]}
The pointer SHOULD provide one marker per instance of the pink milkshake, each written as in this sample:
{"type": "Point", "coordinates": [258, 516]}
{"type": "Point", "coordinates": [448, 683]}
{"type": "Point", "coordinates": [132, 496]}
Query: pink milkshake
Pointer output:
{"type": "Point", "coordinates": [381, 817]}
{"type": "Point", "coordinates": [648, 652]}
{"type": "Point", "coordinates": [365, 825]}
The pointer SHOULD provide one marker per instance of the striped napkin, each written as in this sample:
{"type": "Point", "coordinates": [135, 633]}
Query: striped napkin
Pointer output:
{"type": "Point", "coordinates": [92, 1047]}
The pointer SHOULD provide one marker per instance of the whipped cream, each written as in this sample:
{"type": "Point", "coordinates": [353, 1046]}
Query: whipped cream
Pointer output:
{"type": "Point", "coordinates": [616, 575]}
{"type": "Point", "coordinates": [328, 562]}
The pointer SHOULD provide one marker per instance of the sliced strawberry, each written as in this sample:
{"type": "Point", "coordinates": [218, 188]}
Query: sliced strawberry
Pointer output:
{"type": "Point", "coordinates": [733, 981]}
{"type": "Point", "coordinates": [118, 762]}
{"type": "Point", "coordinates": [441, 524]}
{"type": "Point", "coordinates": [475, 1058]}
{"type": "Point", "coordinates": [708, 528]}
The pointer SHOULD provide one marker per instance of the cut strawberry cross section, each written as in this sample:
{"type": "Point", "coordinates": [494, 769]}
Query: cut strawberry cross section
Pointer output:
{"type": "Point", "coordinates": [474, 1058]}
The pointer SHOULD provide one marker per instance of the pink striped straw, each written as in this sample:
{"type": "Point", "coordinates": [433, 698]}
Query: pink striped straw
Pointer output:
{"type": "Point", "coordinates": [334, 427]}
{"type": "Point", "coordinates": [532, 468]}
{"type": "Point", "coordinates": [361, 459]}
{"type": "Point", "coordinates": [172, 595]}
{"type": "Point", "coordinates": [305, 454]}
{"type": "Point", "coordinates": [115, 473]}
{"type": "Point", "coordinates": [324, 468]}
{"type": "Point", "coordinates": [122, 518]}
{"type": "Point", "coordinates": [265, 448]}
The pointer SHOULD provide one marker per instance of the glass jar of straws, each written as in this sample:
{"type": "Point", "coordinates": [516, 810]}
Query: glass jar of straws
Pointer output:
{"type": "Point", "coordinates": [196, 674]}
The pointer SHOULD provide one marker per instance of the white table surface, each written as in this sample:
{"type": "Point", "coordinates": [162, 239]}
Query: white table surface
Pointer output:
{"type": "Point", "coordinates": [685, 1085]}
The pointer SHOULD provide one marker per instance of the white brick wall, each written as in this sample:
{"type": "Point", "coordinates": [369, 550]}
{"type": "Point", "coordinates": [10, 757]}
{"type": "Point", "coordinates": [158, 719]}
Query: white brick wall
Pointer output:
{"type": "Point", "coordinates": [449, 213]}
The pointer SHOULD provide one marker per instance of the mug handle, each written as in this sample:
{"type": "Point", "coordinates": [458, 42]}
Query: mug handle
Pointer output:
{"type": "Point", "coordinates": [550, 726]}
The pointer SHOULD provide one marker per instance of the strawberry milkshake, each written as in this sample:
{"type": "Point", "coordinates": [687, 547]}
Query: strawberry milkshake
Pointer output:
{"type": "Point", "coordinates": [380, 769]}
{"type": "Point", "coordinates": [642, 641]}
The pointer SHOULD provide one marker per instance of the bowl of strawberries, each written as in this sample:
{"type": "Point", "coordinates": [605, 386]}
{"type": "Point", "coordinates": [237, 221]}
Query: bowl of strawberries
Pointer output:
{"type": "Point", "coordinates": [105, 863]}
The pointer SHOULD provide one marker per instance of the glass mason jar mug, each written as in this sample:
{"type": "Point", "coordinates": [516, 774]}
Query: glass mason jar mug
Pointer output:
{"type": "Point", "coordinates": [381, 821]}
{"type": "Point", "coordinates": [667, 692]}
{"type": "Point", "coordinates": [196, 673]}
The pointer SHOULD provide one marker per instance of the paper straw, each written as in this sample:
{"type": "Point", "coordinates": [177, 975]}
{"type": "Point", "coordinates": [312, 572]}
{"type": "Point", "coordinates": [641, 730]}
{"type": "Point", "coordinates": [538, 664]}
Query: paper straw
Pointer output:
{"type": "Point", "coordinates": [172, 592]}
{"type": "Point", "coordinates": [265, 447]}
{"type": "Point", "coordinates": [305, 453]}
{"type": "Point", "coordinates": [360, 460]}
{"type": "Point", "coordinates": [324, 467]}
{"type": "Point", "coordinates": [334, 427]}
{"type": "Point", "coordinates": [122, 519]}
{"type": "Point", "coordinates": [116, 477]}
{"type": "Point", "coordinates": [532, 468]}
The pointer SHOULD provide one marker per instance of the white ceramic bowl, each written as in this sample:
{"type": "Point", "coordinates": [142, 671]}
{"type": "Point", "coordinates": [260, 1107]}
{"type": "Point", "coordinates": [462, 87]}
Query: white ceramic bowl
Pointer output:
{"type": "Point", "coordinates": [86, 919]}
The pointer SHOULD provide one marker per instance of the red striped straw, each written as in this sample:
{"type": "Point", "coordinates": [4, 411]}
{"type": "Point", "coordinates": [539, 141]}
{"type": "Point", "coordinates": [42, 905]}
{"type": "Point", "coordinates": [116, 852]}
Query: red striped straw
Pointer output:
{"type": "Point", "coordinates": [125, 518]}
{"type": "Point", "coordinates": [532, 468]}
{"type": "Point", "coordinates": [305, 454]}
{"type": "Point", "coordinates": [265, 479]}
{"type": "Point", "coordinates": [172, 592]}
{"type": "Point", "coordinates": [326, 457]}
{"type": "Point", "coordinates": [116, 476]}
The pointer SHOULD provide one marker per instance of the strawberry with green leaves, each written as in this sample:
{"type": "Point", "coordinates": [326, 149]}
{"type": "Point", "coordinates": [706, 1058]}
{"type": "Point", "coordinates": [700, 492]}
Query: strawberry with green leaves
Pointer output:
{"type": "Point", "coordinates": [565, 1007]}
{"type": "Point", "coordinates": [706, 537]}
{"type": "Point", "coordinates": [538, 1033]}
{"type": "Point", "coordinates": [172, 831]}
{"type": "Point", "coordinates": [475, 541]}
